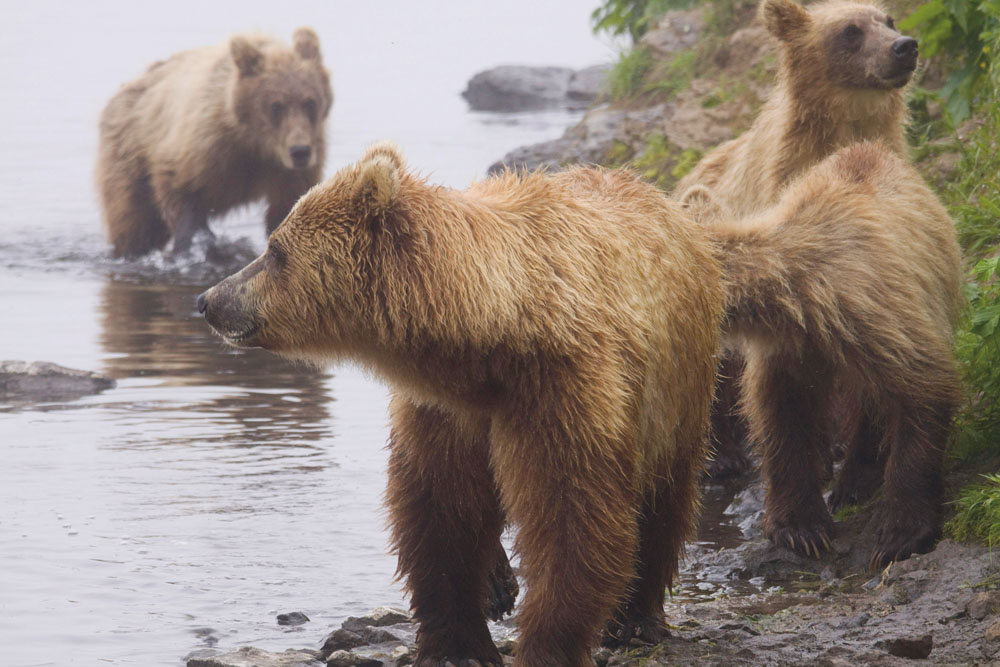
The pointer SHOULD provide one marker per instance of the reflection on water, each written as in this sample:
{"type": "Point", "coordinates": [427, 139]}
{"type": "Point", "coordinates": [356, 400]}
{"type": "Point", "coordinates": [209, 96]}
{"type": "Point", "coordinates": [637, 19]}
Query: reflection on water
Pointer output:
{"type": "Point", "coordinates": [276, 401]}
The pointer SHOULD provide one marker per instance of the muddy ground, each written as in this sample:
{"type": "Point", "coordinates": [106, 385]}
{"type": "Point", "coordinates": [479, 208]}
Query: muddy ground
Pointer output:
{"type": "Point", "coordinates": [751, 603]}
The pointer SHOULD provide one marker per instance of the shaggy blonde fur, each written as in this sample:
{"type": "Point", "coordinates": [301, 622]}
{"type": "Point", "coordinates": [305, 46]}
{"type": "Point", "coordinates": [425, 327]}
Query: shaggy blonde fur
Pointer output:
{"type": "Point", "coordinates": [551, 343]}
{"type": "Point", "coordinates": [851, 281]}
{"type": "Point", "coordinates": [208, 130]}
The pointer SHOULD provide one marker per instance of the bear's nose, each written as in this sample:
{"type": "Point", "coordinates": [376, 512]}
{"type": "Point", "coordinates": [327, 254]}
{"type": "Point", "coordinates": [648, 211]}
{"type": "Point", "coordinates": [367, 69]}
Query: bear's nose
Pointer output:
{"type": "Point", "coordinates": [904, 47]}
{"type": "Point", "coordinates": [202, 303]}
{"type": "Point", "coordinates": [300, 155]}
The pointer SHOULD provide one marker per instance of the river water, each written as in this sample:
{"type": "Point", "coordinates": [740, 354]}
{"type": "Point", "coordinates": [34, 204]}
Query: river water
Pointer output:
{"type": "Point", "coordinates": [211, 489]}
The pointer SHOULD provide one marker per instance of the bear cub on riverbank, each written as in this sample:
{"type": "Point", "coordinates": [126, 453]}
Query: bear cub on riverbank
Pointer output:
{"type": "Point", "coordinates": [208, 130]}
{"type": "Point", "coordinates": [841, 79]}
{"type": "Point", "coordinates": [850, 285]}
{"type": "Point", "coordinates": [551, 344]}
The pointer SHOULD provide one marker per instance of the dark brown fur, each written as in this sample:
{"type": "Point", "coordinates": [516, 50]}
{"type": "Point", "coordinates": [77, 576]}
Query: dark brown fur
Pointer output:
{"type": "Point", "coordinates": [849, 286]}
{"type": "Point", "coordinates": [208, 130]}
{"type": "Point", "coordinates": [551, 344]}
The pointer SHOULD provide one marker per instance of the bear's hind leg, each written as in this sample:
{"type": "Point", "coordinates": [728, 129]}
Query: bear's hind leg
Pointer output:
{"type": "Point", "coordinates": [669, 516]}
{"type": "Point", "coordinates": [132, 219]}
{"type": "Point", "coordinates": [446, 522]}
{"type": "Point", "coordinates": [864, 462]}
{"type": "Point", "coordinates": [785, 399]}
{"type": "Point", "coordinates": [729, 433]}
{"type": "Point", "coordinates": [914, 481]}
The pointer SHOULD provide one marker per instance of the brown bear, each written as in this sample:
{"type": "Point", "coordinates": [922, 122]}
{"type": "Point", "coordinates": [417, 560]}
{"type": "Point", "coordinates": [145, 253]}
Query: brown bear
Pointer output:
{"type": "Point", "coordinates": [850, 284]}
{"type": "Point", "coordinates": [207, 130]}
{"type": "Point", "coordinates": [842, 69]}
{"type": "Point", "coordinates": [551, 343]}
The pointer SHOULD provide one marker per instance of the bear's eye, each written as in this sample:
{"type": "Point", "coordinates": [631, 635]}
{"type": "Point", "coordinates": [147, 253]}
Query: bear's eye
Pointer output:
{"type": "Point", "coordinates": [889, 22]}
{"type": "Point", "coordinates": [278, 254]}
{"type": "Point", "coordinates": [852, 32]}
{"type": "Point", "coordinates": [311, 109]}
{"type": "Point", "coordinates": [277, 111]}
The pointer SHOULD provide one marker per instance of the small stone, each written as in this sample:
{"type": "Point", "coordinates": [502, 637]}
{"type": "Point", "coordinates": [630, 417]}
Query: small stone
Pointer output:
{"type": "Point", "coordinates": [983, 604]}
{"type": "Point", "coordinates": [915, 648]}
{"type": "Point", "coordinates": [992, 633]}
{"type": "Point", "coordinates": [294, 618]}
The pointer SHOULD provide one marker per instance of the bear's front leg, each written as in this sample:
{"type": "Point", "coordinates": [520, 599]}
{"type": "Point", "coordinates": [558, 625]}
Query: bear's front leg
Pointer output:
{"type": "Point", "coordinates": [785, 400]}
{"type": "Point", "coordinates": [569, 487]}
{"type": "Point", "coordinates": [446, 523]}
{"type": "Point", "coordinates": [183, 213]}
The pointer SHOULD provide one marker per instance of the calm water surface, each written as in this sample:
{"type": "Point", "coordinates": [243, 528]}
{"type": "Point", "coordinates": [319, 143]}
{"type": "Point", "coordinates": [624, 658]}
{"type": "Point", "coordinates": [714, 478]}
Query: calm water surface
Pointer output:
{"type": "Point", "coordinates": [211, 489]}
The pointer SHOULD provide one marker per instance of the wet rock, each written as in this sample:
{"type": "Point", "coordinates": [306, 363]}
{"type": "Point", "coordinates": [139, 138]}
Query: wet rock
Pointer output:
{"type": "Point", "coordinates": [44, 381]}
{"type": "Point", "coordinates": [348, 659]}
{"type": "Point", "coordinates": [518, 88]}
{"type": "Point", "coordinates": [676, 31]}
{"type": "Point", "coordinates": [340, 640]}
{"type": "Point", "coordinates": [914, 648]}
{"type": "Point", "coordinates": [293, 618]}
{"type": "Point", "coordinates": [378, 636]}
{"type": "Point", "coordinates": [248, 656]}
{"type": "Point", "coordinates": [380, 617]}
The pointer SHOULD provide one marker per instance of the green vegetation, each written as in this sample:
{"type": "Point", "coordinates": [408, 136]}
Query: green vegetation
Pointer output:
{"type": "Point", "coordinates": [964, 32]}
{"type": "Point", "coordinates": [978, 516]}
{"type": "Point", "coordinates": [634, 17]}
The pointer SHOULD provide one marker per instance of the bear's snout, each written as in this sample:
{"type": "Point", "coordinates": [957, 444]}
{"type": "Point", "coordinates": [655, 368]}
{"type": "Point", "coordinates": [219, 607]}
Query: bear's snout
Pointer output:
{"type": "Point", "coordinates": [300, 155]}
{"type": "Point", "coordinates": [905, 50]}
{"type": "Point", "coordinates": [230, 307]}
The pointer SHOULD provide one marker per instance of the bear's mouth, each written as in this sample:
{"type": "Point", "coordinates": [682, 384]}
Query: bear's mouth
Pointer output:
{"type": "Point", "coordinates": [241, 338]}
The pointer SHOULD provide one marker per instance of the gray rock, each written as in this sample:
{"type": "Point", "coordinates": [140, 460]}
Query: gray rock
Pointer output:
{"type": "Point", "coordinates": [340, 640]}
{"type": "Point", "coordinates": [677, 30]}
{"type": "Point", "coordinates": [518, 88]}
{"type": "Point", "coordinates": [348, 659]}
{"type": "Point", "coordinates": [587, 85]}
{"type": "Point", "coordinates": [248, 656]}
{"type": "Point", "coordinates": [983, 604]}
{"type": "Point", "coordinates": [43, 381]}
{"type": "Point", "coordinates": [590, 141]}
{"type": "Point", "coordinates": [293, 618]}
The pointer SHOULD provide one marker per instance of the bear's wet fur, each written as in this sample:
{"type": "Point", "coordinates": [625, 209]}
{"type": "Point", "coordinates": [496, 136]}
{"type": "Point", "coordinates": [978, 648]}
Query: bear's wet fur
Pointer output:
{"type": "Point", "coordinates": [551, 342]}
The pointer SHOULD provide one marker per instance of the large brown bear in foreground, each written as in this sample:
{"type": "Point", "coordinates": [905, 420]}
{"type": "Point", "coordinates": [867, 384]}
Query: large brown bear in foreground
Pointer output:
{"type": "Point", "coordinates": [850, 283]}
{"type": "Point", "coordinates": [208, 130]}
{"type": "Point", "coordinates": [551, 343]}
{"type": "Point", "coordinates": [841, 76]}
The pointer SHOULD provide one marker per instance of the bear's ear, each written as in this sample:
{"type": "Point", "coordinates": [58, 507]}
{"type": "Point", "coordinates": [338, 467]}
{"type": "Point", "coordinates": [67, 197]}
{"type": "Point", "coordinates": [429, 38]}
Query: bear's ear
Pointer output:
{"type": "Point", "coordinates": [306, 44]}
{"type": "Point", "coordinates": [378, 180]}
{"type": "Point", "coordinates": [783, 18]}
{"type": "Point", "coordinates": [248, 58]}
{"type": "Point", "coordinates": [386, 149]}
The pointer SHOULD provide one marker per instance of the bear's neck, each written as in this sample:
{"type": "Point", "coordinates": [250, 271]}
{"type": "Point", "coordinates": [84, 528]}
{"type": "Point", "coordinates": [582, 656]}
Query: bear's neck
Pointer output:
{"type": "Point", "coordinates": [814, 122]}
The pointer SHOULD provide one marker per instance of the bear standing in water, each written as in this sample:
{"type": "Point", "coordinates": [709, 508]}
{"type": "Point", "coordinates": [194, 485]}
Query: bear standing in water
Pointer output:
{"type": "Point", "coordinates": [208, 130]}
{"type": "Point", "coordinates": [551, 344]}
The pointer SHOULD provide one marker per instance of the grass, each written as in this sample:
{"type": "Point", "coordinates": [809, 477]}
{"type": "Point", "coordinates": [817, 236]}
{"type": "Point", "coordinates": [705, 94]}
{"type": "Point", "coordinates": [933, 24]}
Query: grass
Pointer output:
{"type": "Point", "coordinates": [627, 76]}
{"type": "Point", "coordinates": [978, 517]}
